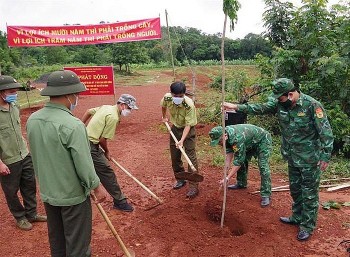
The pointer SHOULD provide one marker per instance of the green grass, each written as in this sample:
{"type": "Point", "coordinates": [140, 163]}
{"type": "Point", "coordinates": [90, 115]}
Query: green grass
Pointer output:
{"type": "Point", "coordinates": [30, 98]}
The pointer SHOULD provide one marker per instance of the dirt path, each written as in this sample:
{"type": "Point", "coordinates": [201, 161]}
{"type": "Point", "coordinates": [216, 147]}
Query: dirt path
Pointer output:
{"type": "Point", "coordinates": [179, 227]}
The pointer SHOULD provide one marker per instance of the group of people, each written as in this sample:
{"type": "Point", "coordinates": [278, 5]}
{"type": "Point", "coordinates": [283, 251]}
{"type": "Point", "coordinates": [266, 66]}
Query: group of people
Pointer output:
{"type": "Point", "coordinates": [70, 159]}
{"type": "Point", "coordinates": [306, 145]}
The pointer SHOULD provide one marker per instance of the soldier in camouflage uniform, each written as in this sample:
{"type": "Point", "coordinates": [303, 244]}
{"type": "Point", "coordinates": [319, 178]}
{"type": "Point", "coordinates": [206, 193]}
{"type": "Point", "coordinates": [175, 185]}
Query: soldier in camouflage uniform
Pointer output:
{"type": "Point", "coordinates": [307, 143]}
{"type": "Point", "coordinates": [184, 118]}
{"type": "Point", "coordinates": [243, 141]}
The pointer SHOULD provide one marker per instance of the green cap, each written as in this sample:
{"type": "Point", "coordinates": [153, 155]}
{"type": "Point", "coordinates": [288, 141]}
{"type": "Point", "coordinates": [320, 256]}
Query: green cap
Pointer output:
{"type": "Point", "coordinates": [63, 83]}
{"type": "Point", "coordinates": [215, 135]}
{"type": "Point", "coordinates": [281, 86]}
{"type": "Point", "coordinates": [7, 82]}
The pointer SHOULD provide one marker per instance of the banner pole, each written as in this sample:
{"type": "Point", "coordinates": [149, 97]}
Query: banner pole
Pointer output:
{"type": "Point", "coordinates": [171, 48]}
{"type": "Point", "coordinates": [113, 84]}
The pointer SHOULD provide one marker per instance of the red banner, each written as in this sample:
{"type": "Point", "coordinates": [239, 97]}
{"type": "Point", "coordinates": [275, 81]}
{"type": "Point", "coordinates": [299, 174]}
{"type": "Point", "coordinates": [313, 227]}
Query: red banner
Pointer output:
{"type": "Point", "coordinates": [27, 36]}
{"type": "Point", "coordinates": [99, 80]}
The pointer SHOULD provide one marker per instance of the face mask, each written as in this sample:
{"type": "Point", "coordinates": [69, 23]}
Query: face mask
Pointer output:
{"type": "Point", "coordinates": [72, 106]}
{"type": "Point", "coordinates": [287, 104]}
{"type": "Point", "coordinates": [177, 100]}
{"type": "Point", "coordinates": [126, 112]}
{"type": "Point", "coordinates": [10, 98]}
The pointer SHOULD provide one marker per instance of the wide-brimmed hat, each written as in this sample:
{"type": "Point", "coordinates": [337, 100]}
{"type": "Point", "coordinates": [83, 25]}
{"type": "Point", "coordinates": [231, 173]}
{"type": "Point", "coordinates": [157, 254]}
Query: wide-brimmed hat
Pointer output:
{"type": "Point", "coordinates": [8, 82]}
{"type": "Point", "coordinates": [63, 82]}
{"type": "Point", "coordinates": [281, 86]}
{"type": "Point", "coordinates": [215, 135]}
{"type": "Point", "coordinates": [129, 100]}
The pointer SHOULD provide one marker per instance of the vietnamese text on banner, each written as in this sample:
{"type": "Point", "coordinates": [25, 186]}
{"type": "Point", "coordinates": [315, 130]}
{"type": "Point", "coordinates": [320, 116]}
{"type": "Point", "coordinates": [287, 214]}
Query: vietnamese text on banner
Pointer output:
{"type": "Point", "coordinates": [27, 36]}
{"type": "Point", "coordinates": [99, 80]}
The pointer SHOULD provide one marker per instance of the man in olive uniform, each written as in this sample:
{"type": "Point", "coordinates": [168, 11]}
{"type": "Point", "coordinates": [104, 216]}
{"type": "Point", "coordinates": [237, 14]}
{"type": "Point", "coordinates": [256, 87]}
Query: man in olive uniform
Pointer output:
{"type": "Point", "coordinates": [16, 168]}
{"type": "Point", "coordinates": [307, 143]}
{"type": "Point", "coordinates": [101, 128]}
{"type": "Point", "coordinates": [243, 141]}
{"type": "Point", "coordinates": [183, 116]}
{"type": "Point", "coordinates": [64, 167]}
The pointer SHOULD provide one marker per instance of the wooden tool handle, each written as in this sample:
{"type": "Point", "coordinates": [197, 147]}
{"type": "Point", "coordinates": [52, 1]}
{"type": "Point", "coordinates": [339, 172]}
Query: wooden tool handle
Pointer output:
{"type": "Point", "coordinates": [137, 181]}
{"type": "Point", "coordinates": [181, 148]}
{"type": "Point", "coordinates": [111, 227]}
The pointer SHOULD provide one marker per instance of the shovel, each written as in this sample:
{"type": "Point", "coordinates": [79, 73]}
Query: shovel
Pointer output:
{"type": "Point", "coordinates": [195, 177]}
{"type": "Point", "coordinates": [127, 252]}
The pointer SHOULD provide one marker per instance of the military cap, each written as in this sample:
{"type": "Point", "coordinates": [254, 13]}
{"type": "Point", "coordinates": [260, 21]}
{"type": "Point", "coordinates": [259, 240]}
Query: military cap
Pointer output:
{"type": "Point", "coordinates": [7, 82]}
{"type": "Point", "coordinates": [281, 86]}
{"type": "Point", "coordinates": [215, 135]}
{"type": "Point", "coordinates": [129, 100]}
{"type": "Point", "coordinates": [63, 82]}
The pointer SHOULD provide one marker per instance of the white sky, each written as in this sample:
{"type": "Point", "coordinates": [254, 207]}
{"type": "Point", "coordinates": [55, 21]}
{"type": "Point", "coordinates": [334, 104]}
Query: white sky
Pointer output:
{"type": "Point", "coordinates": [205, 15]}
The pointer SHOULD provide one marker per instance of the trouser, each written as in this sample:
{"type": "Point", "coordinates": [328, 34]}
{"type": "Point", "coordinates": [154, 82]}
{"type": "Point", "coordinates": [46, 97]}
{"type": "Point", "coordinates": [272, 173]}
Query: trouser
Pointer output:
{"type": "Point", "coordinates": [304, 188]}
{"type": "Point", "coordinates": [106, 174]}
{"type": "Point", "coordinates": [69, 229]}
{"type": "Point", "coordinates": [262, 153]}
{"type": "Point", "coordinates": [190, 149]}
{"type": "Point", "coordinates": [21, 179]}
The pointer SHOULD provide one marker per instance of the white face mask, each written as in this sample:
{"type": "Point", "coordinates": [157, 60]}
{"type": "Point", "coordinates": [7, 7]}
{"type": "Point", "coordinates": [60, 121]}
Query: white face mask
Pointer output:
{"type": "Point", "coordinates": [126, 112]}
{"type": "Point", "coordinates": [177, 100]}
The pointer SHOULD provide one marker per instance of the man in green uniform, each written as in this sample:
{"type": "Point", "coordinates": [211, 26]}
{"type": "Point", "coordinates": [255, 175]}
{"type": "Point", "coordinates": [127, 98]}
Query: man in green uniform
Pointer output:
{"type": "Point", "coordinates": [307, 143]}
{"type": "Point", "coordinates": [64, 167]}
{"type": "Point", "coordinates": [16, 168]}
{"type": "Point", "coordinates": [101, 127]}
{"type": "Point", "coordinates": [183, 116]}
{"type": "Point", "coordinates": [242, 142]}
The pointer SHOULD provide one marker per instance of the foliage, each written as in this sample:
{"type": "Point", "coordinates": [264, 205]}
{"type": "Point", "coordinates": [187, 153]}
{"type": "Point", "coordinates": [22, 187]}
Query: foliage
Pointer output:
{"type": "Point", "coordinates": [277, 18]}
{"type": "Point", "coordinates": [190, 46]}
{"type": "Point", "coordinates": [230, 8]}
{"type": "Point", "coordinates": [312, 48]}
{"type": "Point", "coordinates": [340, 123]}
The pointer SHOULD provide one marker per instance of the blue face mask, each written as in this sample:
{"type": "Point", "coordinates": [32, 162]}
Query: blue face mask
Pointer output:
{"type": "Point", "coordinates": [72, 106]}
{"type": "Point", "coordinates": [11, 98]}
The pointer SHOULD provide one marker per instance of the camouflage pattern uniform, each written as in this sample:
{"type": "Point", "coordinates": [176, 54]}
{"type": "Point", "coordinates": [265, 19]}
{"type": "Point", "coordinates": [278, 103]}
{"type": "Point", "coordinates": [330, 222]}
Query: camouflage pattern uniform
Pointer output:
{"type": "Point", "coordinates": [180, 116]}
{"type": "Point", "coordinates": [246, 141]}
{"type": "Point", "coordinates": [307, 138]}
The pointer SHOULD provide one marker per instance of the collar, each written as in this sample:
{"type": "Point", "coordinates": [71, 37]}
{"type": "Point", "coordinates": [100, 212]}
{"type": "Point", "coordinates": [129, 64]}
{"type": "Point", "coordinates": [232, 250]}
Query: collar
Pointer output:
{"type": "Point", "coordinates": [58, 106]}
{"type": "Point", "coordinates": [300, 99]}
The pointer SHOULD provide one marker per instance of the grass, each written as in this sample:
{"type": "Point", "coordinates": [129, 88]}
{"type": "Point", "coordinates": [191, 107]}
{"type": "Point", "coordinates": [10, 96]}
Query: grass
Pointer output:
{"type": "Point", "coordinates": [30, 98]}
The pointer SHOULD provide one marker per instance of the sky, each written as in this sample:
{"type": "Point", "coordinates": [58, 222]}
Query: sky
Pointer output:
{"type": "Point", "coordinates": [205, 15]}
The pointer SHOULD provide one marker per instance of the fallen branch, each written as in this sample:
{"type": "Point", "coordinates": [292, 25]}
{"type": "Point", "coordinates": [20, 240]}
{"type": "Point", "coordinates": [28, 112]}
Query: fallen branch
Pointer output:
{"type": "Point", "coordinates": [286, 188]}
{"type": "Point", "coordinates": [338, 187]}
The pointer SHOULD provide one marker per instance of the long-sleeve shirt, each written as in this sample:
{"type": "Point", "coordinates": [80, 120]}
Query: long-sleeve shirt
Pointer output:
{"type": "Point", "coordinates": [306, 133]}
{"type": "Point", "coordinates": [13, 147]}
{"type": "Point", "coordinates": [244, 139]}
{"type": "Point", "coordinates": [61, 156]}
